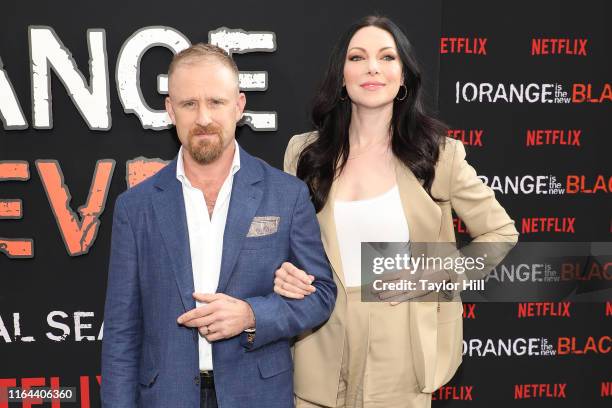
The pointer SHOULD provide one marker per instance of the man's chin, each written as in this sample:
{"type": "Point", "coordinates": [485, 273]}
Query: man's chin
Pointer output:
{"type": "Point", "coordinates": [207, 156]}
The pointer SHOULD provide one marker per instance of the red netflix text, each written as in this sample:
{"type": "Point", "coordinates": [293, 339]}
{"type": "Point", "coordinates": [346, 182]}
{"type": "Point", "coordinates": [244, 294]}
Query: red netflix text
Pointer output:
{"type": "Point", "coordinates": [469, 137]}
{"type": "Point", "coordinates": [559, 46]}
{"type": "Point", "coordinates": [562, 137]}
{"type": "Point", "coordinates": [524, 391]}
{"type": "Point", "coordinates": [533, 225]}
{"type": "Point", "coordinates": [463, 45]}
{"type": "Point", "coordinates": [453, 392]}
{"type": "Point", "coordinates": [469, 310]}
{"type": "Point", "coordinates": [541, 309]}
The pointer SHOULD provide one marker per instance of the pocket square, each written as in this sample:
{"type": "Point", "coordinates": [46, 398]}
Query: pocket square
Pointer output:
{"type": "Point", "coordinates": [261, 226]}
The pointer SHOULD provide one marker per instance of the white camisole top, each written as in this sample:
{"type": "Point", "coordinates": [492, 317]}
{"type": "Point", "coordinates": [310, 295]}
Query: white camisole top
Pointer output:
{"type": "Point", "coordinates": [376, 219]}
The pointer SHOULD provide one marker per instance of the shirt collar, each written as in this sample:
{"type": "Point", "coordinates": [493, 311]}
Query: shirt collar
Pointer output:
{"type": "Point", "coordinates": [180, 166]}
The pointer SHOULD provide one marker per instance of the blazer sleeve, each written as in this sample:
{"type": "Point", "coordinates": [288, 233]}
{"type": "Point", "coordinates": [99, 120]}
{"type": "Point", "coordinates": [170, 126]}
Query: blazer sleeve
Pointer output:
{"type": "Point", "coordinates": [491, 228]}
{"type": "Point", "coordinates": [122, 317]}
{"type": "Point", "coordinates": [475, 203]}
{"type": "Point", "coordinates": [277, 317]}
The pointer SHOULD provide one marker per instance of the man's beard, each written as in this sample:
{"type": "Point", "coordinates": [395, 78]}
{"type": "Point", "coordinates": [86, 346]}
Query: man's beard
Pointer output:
{"type": "Point", "coordinates": [205, 150]}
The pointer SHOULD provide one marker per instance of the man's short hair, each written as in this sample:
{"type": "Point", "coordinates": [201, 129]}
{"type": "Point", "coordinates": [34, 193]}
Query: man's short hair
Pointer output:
{"type": "Point", "coordinates": [200, 51]}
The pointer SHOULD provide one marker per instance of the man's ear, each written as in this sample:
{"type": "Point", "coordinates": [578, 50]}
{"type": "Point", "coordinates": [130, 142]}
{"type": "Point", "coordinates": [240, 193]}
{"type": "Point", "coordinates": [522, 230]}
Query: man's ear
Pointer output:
{"type": "Point", "coordinates": [170, 109]}
{"type": "Point", "coordinates": [240, 104]}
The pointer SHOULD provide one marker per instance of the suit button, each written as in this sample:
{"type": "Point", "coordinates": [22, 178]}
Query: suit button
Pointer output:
{"type": "Point", "coordinates": [196, 379]}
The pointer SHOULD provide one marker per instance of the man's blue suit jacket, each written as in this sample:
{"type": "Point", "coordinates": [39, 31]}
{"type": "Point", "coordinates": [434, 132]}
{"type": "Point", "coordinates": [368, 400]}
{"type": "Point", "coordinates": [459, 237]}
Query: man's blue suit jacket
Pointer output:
{"type": "Point", "coordinates": [148, 360]}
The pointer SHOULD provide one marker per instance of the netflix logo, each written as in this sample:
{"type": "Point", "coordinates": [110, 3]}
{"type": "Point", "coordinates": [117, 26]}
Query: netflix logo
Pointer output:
{"type": "Point", "coordinates": [606, 389]}
{"type": "Point", "coordinates": [561, 137]}
{"type": "Point", "coordinates": [85, 385]}
{"type": "Point", "coordinates": [608, 311]}
{"type": "Point", "coordinates": [525, 391]}
{"type": "Point", "coordinates": [543, 309]}
{"type": "Point", "coordinates": [559, 46]}
{"type": "Point", "coordinates": [453, 392]}
{"type": "Point", "coordinates": [556, 225]}
{"type": "Point", "coordinates": [463, 45]}
{"type": "Point", "coordinates": [460, 227]}
{"type": "Point", "coordinates": [469, 311]}
{"type": "Point", "coordinates": [469, 137]}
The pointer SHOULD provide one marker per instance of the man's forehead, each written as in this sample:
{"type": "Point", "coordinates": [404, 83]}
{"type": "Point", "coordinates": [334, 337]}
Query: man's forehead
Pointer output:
{"type": "Point", "coordinates": [202, 67]}
{"type": "Point", "coordinates": [208, 75]}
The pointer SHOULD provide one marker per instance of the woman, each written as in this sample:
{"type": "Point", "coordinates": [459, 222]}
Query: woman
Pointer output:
{"type": "Point", "coordinates": [380, 169]}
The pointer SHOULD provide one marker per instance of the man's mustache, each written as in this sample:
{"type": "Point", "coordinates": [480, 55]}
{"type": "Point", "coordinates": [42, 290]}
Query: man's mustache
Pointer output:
{"type": "Point", "coordinates": [210, 129]}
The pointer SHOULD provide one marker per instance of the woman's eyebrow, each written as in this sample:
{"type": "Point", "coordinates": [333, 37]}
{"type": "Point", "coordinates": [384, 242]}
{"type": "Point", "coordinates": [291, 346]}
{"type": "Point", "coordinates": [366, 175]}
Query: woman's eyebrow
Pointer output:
{"type": "Point", "coordinates": [363, 49]}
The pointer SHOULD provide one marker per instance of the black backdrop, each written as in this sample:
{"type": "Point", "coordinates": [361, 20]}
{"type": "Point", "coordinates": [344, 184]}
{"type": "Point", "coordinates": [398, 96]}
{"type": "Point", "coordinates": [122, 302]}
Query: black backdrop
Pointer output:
{"type": "Point", "coordinates": [30, 289]}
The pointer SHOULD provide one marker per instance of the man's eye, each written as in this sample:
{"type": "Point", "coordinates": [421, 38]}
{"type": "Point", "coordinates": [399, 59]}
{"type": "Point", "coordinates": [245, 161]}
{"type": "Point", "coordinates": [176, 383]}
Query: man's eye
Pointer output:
{"type": "Point", "coordinates": [189, 104]}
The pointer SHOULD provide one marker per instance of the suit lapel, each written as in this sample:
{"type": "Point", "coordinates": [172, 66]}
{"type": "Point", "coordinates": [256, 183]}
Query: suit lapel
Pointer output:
{"type": "Point", "coordinates": [329, 235]}
{"type": "Point", "coordinates": [244, 201]}
{"type": "Point", "coordinates": [424, 219]}
{"type": "Point", "coordinates": [169, 209]}
{"type": "Point", "coordinates": [423, 215]}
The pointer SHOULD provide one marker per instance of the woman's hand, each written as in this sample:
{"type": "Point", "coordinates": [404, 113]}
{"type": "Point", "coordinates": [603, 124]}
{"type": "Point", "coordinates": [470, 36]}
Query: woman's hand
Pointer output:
{"type": "Point", "coordinates": [292, 282]}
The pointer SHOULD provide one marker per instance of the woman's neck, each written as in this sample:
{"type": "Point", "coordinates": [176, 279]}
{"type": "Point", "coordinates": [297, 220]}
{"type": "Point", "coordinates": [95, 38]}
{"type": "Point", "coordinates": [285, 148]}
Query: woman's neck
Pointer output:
{"type": "Point", "coordinates": [370, 127]}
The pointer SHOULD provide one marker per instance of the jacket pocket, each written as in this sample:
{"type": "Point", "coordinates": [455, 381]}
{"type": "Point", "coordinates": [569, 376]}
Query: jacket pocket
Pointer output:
{"type": "Point", "coordinates": [148, 375]}
{"type": "Point", "coordinates": [265, 241]}
{"type": "Point", "coordinates": [275, 362]}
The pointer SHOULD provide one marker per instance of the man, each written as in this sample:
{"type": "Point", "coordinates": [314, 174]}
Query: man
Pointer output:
{"type": "Point", "coordinates": [191, 318]}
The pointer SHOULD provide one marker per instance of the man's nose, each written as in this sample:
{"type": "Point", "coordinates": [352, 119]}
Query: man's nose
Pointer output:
{"type": "Point", "coordinates": [204, 117]}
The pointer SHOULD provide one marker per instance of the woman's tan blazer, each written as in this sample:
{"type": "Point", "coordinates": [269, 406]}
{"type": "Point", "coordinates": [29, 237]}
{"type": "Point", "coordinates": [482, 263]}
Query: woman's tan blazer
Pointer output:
{"type": "Point", "coordinates": [436, 328]}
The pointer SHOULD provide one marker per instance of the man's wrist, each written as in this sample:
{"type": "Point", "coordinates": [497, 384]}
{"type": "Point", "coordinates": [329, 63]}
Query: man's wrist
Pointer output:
{"type": "Point", "coordinates": [250, 321]}
{"type": "Point", "coordinates": [249, 330]}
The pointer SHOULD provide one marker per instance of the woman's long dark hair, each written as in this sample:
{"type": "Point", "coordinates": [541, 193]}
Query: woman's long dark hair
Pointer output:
{"type": "Point", "coordinates": [415, 139]}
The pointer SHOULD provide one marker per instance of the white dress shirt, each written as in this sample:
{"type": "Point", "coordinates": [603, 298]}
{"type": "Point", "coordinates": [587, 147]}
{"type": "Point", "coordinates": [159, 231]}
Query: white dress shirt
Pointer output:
{"type": "Point", "coordinates": [206, 238]}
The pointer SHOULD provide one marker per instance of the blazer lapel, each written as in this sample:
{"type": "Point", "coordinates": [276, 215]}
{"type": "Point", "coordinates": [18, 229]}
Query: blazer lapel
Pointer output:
{"type": "Point", "coordinates": [423, 215]}
{"type": "Point", "coordinates": [244, 202]}
{"type": "Point", "coordinates": [329, 235]}
{"type": "Point", "coordinates": [169, 209]}
{"type": "Point", "coordinates": [424, 219]}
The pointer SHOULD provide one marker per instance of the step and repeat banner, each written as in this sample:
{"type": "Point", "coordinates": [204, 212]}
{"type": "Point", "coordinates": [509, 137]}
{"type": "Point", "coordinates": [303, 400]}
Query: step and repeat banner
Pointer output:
{"type": "Point", "coordinates": [525, 87]}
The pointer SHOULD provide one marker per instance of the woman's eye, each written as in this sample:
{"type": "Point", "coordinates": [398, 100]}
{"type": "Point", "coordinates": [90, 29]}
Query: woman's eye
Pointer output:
{"type": "Point", "coordinates": [389, 58]}
{"type": "Point", "coordinates": [355, 58]}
